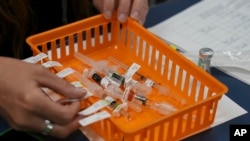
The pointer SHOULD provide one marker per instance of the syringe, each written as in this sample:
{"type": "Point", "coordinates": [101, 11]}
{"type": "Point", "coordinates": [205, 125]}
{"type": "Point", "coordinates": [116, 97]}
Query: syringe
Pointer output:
{"type": "Point", "coordinates": [113, 90]}
{"type": "Point", "coordinates": [133, 99]}
{"type": "Point", "coordinates": [92, 87]}
{"type": "Point", "coordinates": [138, 87]}
{"type": "Point", "coordinates": [107, 85]}
{"type": "Point", "coordinates": [118, 109]}
{"type": "Point", "coordinates": [161, 89]}
{"type": "Point", "coordinates": [99, 92]}
{"type": "Point", "coordinates": [99, 66]}
{"type": "Point", "coordinates": [163, 107]}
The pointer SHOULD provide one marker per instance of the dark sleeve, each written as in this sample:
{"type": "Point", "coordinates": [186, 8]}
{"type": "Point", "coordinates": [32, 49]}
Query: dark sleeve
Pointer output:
{"type": "Point", "coordinates": [48, 13]}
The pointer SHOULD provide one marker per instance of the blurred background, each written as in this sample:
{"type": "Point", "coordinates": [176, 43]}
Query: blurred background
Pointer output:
{"type": "Point", "coordinates": [153, 2]}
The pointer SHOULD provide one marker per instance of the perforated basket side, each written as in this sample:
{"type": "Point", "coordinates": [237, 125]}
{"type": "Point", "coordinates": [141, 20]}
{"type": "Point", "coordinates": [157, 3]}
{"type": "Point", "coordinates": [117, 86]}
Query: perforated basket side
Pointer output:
{"type": "Point", "coordinates": [84, 36]}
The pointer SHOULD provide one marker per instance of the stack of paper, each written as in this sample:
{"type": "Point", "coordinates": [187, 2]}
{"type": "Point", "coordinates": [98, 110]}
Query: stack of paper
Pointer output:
{"type": "Point", "coordinates": [221, 25]}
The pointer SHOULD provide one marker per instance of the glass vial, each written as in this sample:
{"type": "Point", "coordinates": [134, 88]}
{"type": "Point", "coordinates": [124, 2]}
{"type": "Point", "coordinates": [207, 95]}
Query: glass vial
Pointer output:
{"type": "Point", "coordinates": [205, 56]}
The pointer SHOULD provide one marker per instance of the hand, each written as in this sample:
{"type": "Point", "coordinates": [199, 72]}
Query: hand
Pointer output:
{"type": "Point", "coordinates": [136, 9]}
{"type": "Point", "coordinates": [24, 105]}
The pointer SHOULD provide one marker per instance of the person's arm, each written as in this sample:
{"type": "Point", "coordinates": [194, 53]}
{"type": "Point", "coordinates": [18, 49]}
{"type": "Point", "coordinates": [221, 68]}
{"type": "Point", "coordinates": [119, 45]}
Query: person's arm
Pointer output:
{"type": "Point", "coordinates": [25, 106]}
{"type": "Point", "coordinates": [137, 9]}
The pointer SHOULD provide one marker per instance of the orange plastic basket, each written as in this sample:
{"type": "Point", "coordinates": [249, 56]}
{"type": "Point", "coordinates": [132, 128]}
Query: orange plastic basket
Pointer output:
{"type": "Point", "coordinates": [129, 42]}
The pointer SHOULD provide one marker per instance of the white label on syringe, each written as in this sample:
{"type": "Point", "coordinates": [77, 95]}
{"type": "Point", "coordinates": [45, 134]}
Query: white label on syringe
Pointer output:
{"type": "Point", "coordinates": [77, 84]}
{"type": "Point", "coordinates": [132, 70]}
{"type": "Point", "coordinates": [50, 64]}
{"type": "Point", "coordinates": [94, 118]}
{"type": "Point", "coordinates": [65, 72]}
{"type": "Point", "coordinates": [105, 82]}
{"type": "Point", "coordinates": [93, 108]}
{"type": "Point", "coordinates": [149, 82]}
{"type": "Point", "coordinates": [29, 59]}
{"type": "Point", "coordinates": [35, 59]}
{"type": "Point", "coordinates": [131, 82]}
{"type": "Point", "coordinates": [111, 81]}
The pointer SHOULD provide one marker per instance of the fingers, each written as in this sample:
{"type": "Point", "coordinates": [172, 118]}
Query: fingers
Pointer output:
{"type": "Point", "coordinates": [136, 9]}
{"type": "Point", "coordinates": [63, 117]}
{"type": "Point", "coordinates": [56, 112]}
{"type": "Point", "coordinates": [38, 125]}
{"type": "Point", "coordinates": [60, 115]}
{"type": "Point", "coordinates": [139, 10]}
{"type": "Point", "coordinates": [64, 131]}
{"type": "Point", "coordinates": [108, 8]}
{"type": "Point", "coordinates": [123, 10]}
{"type": "Point", "coordinates": [59, 85]}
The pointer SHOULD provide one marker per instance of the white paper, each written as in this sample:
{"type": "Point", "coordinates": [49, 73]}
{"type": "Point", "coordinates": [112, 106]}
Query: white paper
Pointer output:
{"type": "Point", "coordinates": [223, 25]}
{"type": "Point", "coordinates": [224, 113]}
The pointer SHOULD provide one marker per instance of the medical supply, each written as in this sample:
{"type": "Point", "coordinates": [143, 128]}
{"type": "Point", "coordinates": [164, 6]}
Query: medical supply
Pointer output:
{"type": "Point", "coordinates": [148, 81]}
{"type": "Point", "coordinates": [162, 108]}
{"type": "Point", "coordinates": [205, 56]}
{"type": "Point", "coordinates": [100, 93]}
{"type": "Point", "coordinates": [92, 87]}
{"type": "Point", "coordinates": [138, 87]}
{"type": "Point", "coordinates": [113, 90]}
{"type": "Point", "coordinates": [94, 118]}
{"type": "Point", "coordinates": [99, 66]}
{"type": "Point", "coordinates": [118, 109]}
{"type": "Point", "coordinates": [36, 59]}
{"type": "Point", "coordinates": [163, 90]}
{"type": "Point", "coordinates": [100, 104]}
{"type": "Point", "coordinates": [119, 79]}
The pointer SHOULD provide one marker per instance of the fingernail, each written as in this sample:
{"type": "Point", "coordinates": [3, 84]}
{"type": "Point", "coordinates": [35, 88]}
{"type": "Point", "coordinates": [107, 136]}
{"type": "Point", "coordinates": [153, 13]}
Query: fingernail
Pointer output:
{"type": "Point", "coordinates": [135, 15]}
{"type": "Point", "coordinates": [140, 22]}
{"type": "Point", "coordinates": [122, 17]}
{"type": "Point", "coordinates": [108, 14]}
{"type": "Point", "coordinates": [80, 90]}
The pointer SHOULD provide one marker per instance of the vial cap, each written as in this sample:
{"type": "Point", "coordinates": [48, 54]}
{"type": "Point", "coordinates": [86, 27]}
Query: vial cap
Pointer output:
{"type": "Point", "coordinates": [96, 77]}
{"type": "Point", "coordinates": [206, 53]}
